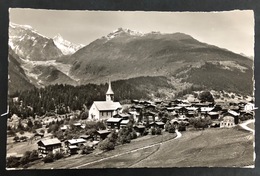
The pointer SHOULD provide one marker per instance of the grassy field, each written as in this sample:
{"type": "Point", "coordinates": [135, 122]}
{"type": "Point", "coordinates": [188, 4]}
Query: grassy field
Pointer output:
{"type": "Point", "coordinates": [78, 160]}
{"type": "Point", "coordinates": [251, 125]}
{"type": "Point", "coordinates": [209, 148]}
{"type": "Point", "coordinates": [206, 148]}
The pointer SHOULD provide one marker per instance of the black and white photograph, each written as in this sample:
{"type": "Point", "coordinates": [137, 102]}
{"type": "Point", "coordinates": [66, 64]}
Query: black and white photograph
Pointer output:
{"type": "Point", "coordinates": [130, 89]}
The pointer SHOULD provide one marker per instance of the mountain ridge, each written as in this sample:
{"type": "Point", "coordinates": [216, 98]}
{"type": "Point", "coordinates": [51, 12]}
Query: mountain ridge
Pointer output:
{"type": "Point", "coordinates": [125, 54]}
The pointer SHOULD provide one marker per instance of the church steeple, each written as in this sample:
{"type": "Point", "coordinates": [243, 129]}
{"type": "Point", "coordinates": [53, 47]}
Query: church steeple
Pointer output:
{"type": "Point", "coordinates": [110, 93]}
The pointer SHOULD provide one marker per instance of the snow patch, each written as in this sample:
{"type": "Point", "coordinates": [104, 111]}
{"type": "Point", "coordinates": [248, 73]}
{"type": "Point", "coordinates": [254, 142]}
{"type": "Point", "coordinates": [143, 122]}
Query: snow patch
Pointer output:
{"type": "Point", "coordinates": [65, 46]}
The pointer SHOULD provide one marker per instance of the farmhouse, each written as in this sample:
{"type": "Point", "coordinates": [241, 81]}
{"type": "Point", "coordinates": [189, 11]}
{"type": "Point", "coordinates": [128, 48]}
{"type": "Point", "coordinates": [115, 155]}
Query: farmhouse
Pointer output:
{"type": "Point", "coordinates": [102, 110]}
{"type": "Point", "coordinates": [228, 121]}
{"type": "Point", "coordinates": [46, 146]}
{"type": "Point", "coordinates": [114, 123]}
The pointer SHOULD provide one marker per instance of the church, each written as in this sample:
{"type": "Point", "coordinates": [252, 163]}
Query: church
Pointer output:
{"type": "Point", "coordinates": [102, 110]}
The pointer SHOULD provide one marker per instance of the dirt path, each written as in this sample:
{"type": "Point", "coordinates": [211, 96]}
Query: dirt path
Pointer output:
{"type": "Point", "coordinates": [129, 152]}
{"type": "Point", "coordinates": [244, 125]}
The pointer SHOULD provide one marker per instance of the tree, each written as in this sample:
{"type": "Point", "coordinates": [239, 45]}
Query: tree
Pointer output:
{"type": "Point", "coordinates": [48, 158]}
{"type": "Point", "coordinates": [16, 138]}
{"type": "Point", "coordinates": [206, 96]}
{"type": "Point", "coordinates": [171, 128]}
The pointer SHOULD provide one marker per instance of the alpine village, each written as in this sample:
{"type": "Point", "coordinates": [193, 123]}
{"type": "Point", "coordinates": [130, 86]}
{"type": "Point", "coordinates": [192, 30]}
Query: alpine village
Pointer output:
{"type": "Point", "coordinates": [120, 102]}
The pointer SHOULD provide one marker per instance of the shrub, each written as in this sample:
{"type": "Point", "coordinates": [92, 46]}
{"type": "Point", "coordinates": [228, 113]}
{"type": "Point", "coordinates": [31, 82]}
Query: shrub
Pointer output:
{"type": "Point", "coordinates": [86, 150]}
{"type": "Point", "coordinates": [158, 131]}
{"type": "Point", "coordinates": [153, 131]}
{"type": "Point", "coordinates": [48, 158]}
{"type": "Point", "coordinates": [16, 139]}
{"type": "Point", "coordinates": [106, 145]}
{"type": "Point", "coordinates": [171, 129]}
{"type": "Point", "coordinates": [12, 162]}
{"type": "Point", "coordinates": [182, 127]}
{"type": "Point", "coordinates": [58, 155]}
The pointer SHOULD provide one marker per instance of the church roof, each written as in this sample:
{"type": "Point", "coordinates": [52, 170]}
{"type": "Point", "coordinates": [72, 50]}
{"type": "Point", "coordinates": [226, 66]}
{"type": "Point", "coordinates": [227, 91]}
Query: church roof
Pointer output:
{"type": "Point", "coordinates": [107, 105]}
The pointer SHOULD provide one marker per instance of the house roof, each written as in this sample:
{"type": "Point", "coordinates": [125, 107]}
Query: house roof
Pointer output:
{"type": "Point", "coordinates": [76, 141]}
{"type": "Point", "coordinates": [85, 136]}
{"type": "Point", "coordinates": [73, 147]}
{"type": "Point", "coordinates": [103, 131]}
{"type": "Point", "coordinates": [206, 109]}
{"type": "Point", "coordinates": [124, 122]}
{"type": "Point", "coordinates": [213, 113]}
{"type": "Point", "coordinates": [114, 119]}
{"type": "Point", "coordinates": [107, 105]}
{"type": "Point", "coordinates": [191, 108]}
{"type": "Point", "coordinates": [159, 123]}
{"type": "Point", "coordinates": [234, 113]}
{"type": "Point", "coordinates": [47, 142]}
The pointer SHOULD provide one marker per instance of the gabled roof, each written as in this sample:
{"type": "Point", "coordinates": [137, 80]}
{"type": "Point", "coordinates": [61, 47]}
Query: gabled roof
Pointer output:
{"type": "Point", "coordinates": [103, 131]}
{"type": "Point", "coordinates": [234, 113]}
{"type": "Point", "coordinates": [159, 123]}
{"type": "Point", "coordinates": [124, 122]}
{"type": "Point", "coordinates": [107, 105]}
{"type": "Point", "coordinates": [114, 119]}
{"type": "Point", "coordinates": [76, 141]}
{"type": "Point", "coordinates": [206, 109]}
{"type": "Point", "coordinates": [47, 142]}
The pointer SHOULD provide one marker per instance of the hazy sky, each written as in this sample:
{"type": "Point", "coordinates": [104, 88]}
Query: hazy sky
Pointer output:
{"type": "Point", "coordinates": [233, 30]}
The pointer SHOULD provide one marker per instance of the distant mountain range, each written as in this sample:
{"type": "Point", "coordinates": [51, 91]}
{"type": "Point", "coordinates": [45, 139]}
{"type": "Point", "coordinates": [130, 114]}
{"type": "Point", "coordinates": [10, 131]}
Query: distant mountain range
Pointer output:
{"type": "Point", "coordinates": [124, 54]}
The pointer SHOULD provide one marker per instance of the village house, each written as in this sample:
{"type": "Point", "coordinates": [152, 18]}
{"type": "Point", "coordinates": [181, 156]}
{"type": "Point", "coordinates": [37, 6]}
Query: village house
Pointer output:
{"type": "Point", "coordinates": [114, 123]}
{"type": "Point", "coordinates": [101, 135]}
{"type": "Point", "coordinates": [249, 107]}
{"type": "Point", "coordinates": [46, 146]}
{"type": "Point", "coordinates": [228, 122]}
{"type": "Point", "coordinates": [124, 123]}
{"type": "Point", "coordinates": [102, 110]}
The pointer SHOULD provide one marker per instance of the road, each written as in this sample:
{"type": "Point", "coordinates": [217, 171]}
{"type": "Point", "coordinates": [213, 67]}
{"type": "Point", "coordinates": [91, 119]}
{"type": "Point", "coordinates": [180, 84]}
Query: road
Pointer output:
{"type": "Point", "coordinates": [244, 125]}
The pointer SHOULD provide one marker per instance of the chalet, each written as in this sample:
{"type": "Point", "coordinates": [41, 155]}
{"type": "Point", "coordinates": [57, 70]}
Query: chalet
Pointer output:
{"type": "Point", "coordinates": [139, 128]}
{"type": "Point", "coordinates": [124, 123]}
{"type": "Point", "coordinates": [102, 110]}
{"type": "Point", "coordinates": [113, 123]}
{"type": "Point", "coordinates": [77, 142]}
{"type": "Point", "coordinates": [228, 122]}
{"type": "Point", "coordinates": [73, 149]}
{"type": "Point", "coordinates": [46, 146]}
{"type": "Point", "coordinates": [159, 124]}
{"type": "Point", "coordinates": [101, 135]}
{"type": "Point", "coordinates": [233, 114]}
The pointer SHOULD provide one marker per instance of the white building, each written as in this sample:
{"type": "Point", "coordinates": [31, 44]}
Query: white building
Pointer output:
{"type": "Point", "coordinates": [228, 121]}
{"type": "Point", "coordinates": [249, 107]}
{"type": "Point", "coordinates": [102, 110]}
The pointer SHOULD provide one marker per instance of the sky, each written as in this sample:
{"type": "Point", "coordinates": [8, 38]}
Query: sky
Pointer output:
{"type": "Point", "coordinates": [233, 30]}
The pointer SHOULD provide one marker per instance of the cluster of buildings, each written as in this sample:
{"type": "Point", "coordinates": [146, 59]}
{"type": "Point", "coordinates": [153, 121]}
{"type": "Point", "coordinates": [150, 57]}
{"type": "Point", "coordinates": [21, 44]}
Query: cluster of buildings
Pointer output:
{"type": "Point", "coordinates": [146, 114]}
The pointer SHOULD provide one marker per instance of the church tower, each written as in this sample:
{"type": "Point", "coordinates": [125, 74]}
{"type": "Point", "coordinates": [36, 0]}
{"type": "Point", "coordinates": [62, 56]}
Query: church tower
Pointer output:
{"type": "Point", "coordinates": [110, 93]}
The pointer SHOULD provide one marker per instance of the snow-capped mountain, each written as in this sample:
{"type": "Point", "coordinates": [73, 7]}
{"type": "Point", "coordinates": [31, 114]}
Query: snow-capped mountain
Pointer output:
{"type": "Point", "coordinates": [28, 44]}
{"type": "Point", "coordinates": [37, 56]}
{"type": "Point", "coordinates": [66, 47]}
{"type": "Point", "coordinates": [121, 31]}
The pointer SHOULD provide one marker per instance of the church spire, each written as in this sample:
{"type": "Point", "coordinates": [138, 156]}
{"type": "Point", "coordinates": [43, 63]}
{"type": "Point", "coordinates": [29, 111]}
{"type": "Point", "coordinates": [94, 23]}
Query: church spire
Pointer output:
{"type": "Point", "coordinates": [110, 93]}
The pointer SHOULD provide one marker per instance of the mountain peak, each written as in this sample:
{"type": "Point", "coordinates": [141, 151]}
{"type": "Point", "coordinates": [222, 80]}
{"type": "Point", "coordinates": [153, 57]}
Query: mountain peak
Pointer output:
{"type": "Point", "coordinates": [121, 31]}
{"type": "Point", "coordinates": [65, 46]}
{"type": "Point", "coordinates": [13, 25]}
